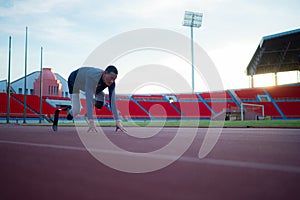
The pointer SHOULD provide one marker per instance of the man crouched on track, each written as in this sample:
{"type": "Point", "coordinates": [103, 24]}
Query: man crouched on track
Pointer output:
{"type": "Point", "coordinates": [93, 81]}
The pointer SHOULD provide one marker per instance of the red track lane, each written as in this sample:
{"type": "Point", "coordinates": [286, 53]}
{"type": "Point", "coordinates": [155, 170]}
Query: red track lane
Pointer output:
{"type": "Point", "coordinates": [37, 163]}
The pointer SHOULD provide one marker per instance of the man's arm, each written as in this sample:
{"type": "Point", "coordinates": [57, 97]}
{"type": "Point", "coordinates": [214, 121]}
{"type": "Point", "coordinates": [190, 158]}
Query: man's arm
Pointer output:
{"type": "Point", "coordinates": [113, 105]}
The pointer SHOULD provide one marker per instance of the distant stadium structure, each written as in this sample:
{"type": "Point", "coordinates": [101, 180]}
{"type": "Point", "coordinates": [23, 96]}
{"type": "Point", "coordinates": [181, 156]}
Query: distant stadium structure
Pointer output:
{"type": "Point", "coordinates": [276, 53]}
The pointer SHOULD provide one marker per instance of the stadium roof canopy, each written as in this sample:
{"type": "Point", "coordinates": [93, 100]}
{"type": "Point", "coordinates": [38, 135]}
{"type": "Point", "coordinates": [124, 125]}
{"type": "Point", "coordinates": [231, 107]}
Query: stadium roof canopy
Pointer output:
{"type": "Point", "coordinates": [276, 53]}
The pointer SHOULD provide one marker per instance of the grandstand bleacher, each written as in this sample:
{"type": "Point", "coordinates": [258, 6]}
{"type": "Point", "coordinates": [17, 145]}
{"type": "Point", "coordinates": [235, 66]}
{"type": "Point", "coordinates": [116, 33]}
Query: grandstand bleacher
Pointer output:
{"type": "Point", "coordinates": [16, 108]}
{"type": "Point", "coordinates": [157, 106]}
{"type": "Point", "coordinates": [194, 110]}
{"type": "Point", "coordinates": [103, 113]}
{"type": "Point", "coordinates": [290, 109]}
{"type": "Point", "coordinates": [215, 95]}
{"type": "Point", "coordinates": [280, 102]}
{"type": "Point", "coordinates": [33, 102]}
{"type": "Point", "coordinates": [284, 92]}
{"type": "Point", "coordinates": [249, 94]}
{"type": "Point", "coordinates": [131, 110]}
{"type": "Point", "coordinates": [160, 109]}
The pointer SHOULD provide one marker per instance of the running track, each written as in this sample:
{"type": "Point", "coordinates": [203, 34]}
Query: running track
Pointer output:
{"type": "Point", "coordinates": [37, 163]}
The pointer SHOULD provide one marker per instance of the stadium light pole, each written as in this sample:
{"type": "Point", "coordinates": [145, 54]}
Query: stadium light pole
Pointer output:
{"type": "Point", "coordinates": [41, 76]}
{"type": "Point", "coordinates": [8, 82]}
{"type": "Point", "coordinates": [25, 76]}
{"type": "Point", "coordinates": [192, 19]}
{"type": "Point", "coordinates": [298, 68]}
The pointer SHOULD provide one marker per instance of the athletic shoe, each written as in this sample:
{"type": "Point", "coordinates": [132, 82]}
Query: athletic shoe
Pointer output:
{"type": "Point", "coordinates": [69, 116]}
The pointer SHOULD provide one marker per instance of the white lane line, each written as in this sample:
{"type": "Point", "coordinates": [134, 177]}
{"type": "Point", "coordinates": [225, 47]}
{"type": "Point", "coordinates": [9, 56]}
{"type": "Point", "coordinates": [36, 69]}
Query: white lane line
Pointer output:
{"type": "Point", "coordinates": [211, 161]}
{"type": "Point", "coordinates": [244, 164]}
{"type": "Point", "coordinates": [54, 146]}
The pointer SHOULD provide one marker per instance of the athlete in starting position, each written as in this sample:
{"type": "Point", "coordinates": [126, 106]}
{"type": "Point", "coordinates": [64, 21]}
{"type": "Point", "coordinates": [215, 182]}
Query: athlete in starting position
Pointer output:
{"type": "Point", "coordinates": [93, 81]}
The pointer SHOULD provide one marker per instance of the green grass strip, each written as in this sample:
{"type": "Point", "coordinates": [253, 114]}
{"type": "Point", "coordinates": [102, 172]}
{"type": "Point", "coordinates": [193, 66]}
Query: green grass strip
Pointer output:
{"type": "Point", "coordinates": [191, 123]}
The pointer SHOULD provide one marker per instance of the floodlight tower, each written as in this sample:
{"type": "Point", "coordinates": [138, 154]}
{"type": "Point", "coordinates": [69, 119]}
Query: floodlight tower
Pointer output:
{"type": "Point", "coordinates": [192, 19]}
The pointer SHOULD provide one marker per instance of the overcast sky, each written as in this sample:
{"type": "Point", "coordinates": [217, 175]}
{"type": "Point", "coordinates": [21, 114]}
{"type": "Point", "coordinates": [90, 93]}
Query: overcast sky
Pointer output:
{"type": "Point", "coordinates": [69, 30]}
